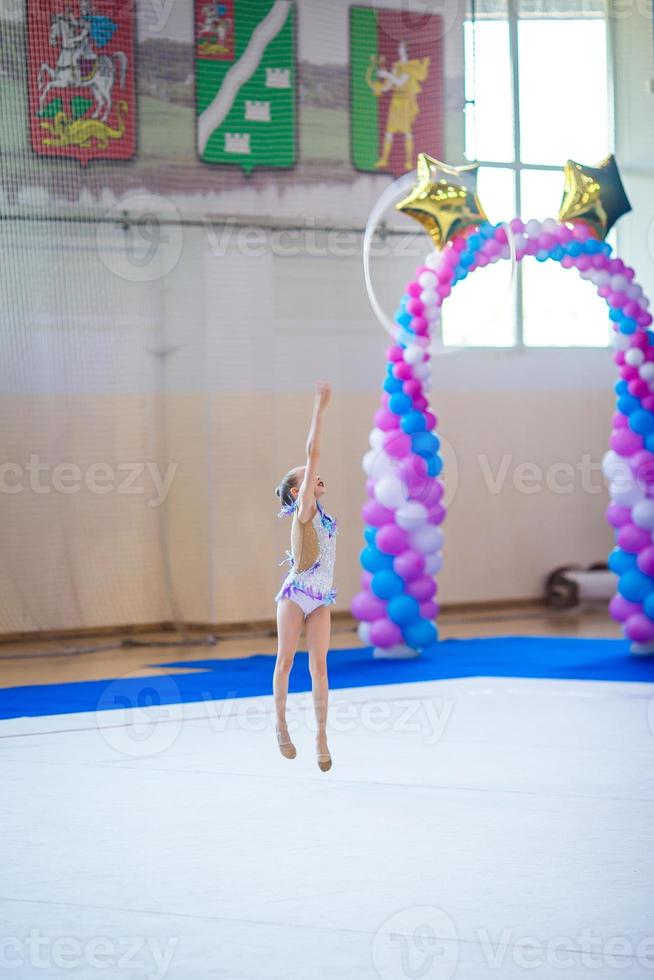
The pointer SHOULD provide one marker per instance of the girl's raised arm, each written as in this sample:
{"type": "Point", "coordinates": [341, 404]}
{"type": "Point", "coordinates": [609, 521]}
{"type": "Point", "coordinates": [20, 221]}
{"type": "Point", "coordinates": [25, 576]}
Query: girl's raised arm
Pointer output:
{"type": "Point", "coordinates": [306, 496]}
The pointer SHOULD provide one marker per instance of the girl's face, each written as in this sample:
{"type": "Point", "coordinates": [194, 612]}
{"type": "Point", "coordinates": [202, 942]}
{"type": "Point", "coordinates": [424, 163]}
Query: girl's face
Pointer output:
{"type": "Point", "coordinates": [319, 487]}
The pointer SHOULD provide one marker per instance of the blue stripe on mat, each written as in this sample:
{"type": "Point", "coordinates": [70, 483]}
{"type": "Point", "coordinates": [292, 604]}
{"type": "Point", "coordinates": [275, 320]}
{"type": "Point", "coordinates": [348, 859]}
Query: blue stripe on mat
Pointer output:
{"type": "Point", "coordinates": [571, 659]}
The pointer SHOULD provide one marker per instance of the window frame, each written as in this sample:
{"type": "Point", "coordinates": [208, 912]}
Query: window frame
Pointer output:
{"type": "Point", "coordinates": [517, 166]}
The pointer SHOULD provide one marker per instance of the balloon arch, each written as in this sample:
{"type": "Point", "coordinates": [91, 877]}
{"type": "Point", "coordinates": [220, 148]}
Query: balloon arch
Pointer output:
{"type": "Point", "coordinates": [404, 510]}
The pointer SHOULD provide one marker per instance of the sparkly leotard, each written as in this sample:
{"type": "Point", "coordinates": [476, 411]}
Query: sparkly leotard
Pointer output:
{"type": "Point", "coordinates": [312, 557]}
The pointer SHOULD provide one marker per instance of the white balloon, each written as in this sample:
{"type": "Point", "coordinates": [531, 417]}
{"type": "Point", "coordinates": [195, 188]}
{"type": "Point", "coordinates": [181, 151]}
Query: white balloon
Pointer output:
{"type": "Point", "coordinates": [626, 495]}
{"type": "Point", "coordinates": [410, 515]}
{"type": "Point", "coordinates": [429, 297]}
{"type": "Point", "coordinates": [433, 259]}
{"type": "Point", "coordinates": [427, 539]}
{"type": "Point", "coordinates": [376, 438]}
{"type": "Point", "coordinates": [382, 465]}
{"type": "Point", "coordinates": [399, 652]}
{"type": "Point", "coordinates": [644, 302]}
{"type": "Point", "coordinates": [647, 371]}
{"type": "Point", "coordinates": [620, 341]}
{"type": "Point", "coordinates": [413, 354]}
{"type": "Point", "coordinates": [364, 633]}
{"type": "Point", "coordinates": [422, 371]}
{"type": "Point", "coordinates": [390, 492]}
{"type": "Point", "coordinates": [617, 469]}
{"type": "Point", "coordinates": [601, 278]}
{"type": "Point", "coordinates": [404, 337]}
{"type": "Point", "coordinates": [634, 357]}
{"type": "Point", "coordinates": [427, 280]}
{"type": "Point", "coordinates": [433, 563]}
{"type": "Point", "coordinates": [551, 226]}
{"type": "Point", "coordinates": [368, 462]}
{"type": "Point", "coordinates": [619, 283]}
{"type": "Point", "coordinates": [533, 228]}
{"type": "Point", "coordinates": [634, 291]}
{"type": "Point", "coordinates": [643, 515]}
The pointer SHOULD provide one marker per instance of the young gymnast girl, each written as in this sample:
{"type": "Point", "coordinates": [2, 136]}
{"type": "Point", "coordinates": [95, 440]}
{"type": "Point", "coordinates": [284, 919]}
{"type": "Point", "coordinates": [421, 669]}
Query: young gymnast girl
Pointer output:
{"type": "Point", "coordinates": [306, 593]}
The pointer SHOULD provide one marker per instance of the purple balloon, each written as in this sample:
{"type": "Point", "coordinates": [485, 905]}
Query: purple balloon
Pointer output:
{"type": "Point", "coordinates": [392, 540]}
{"type": "Point", "coordinates": [366, 579]}
{"type": "Point", "coordinates": [645, 560]}
{"type": "Point", "coordinates": [436, 514]}
{"type": "Point", "coordinates": [633, 539]}
{"type": "Point", "coordinates": [409, 565]}
{"type": "Point", "coordinates": [429, 609]}
{"type": "Point", "coordinates": [386, 420]}
{"type": "Point", "coordinates": [639, 628]}
{"type": "Point", "coordinates": [375, 514]}
{"type": "Point", "coordinates": [384, 633]}
{"type": "Point", "coordinates": [618, 516]}
{"type": "Point", "coordinates": [397, 444]}
{"type": "Point", "coordinates": [423, 589]}
{"type": "Point", "coordinates": [625, 442]}
{"type": "Point", "coordinates": [621, 609]}
{"type": "Point", "coordinates": [367, 607]}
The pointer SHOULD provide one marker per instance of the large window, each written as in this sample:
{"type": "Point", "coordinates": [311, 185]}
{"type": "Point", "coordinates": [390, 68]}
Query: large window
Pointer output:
{"type": "Point", "coordinates": [528, 110]}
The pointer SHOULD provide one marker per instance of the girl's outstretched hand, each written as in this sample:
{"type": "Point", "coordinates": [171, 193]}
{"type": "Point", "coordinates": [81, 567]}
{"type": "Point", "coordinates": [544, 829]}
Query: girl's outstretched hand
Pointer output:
{"type": "Point", "coordinates": [323, 393]}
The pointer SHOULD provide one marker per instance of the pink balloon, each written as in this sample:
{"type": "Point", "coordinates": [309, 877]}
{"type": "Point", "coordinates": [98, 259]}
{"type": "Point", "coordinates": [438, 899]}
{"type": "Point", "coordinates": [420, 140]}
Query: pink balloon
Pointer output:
{"type": "Point", "coordinates": [430, 421]}
{"type": "Point", "coordinates": [415, 307]}
{"type": "Point", "coordinates": [392, 540]}
{"type": "Point", "coordinates": [366, 579]}
{"type": "Point", "coordinates": [420, 403]}
{"type": "Point", "coordinates": [633, 539]}
{"type": "Point", "coordinates": [423, 589]}
{"type": "Point", "coordinates": [637, 339]}
{"type": "Point", "coordinates": [397, 444]}
{"type": "Point", "coordinates": [638, 388]}
{"type": "Point", "coordinates": [645, 560]}
{"type": "Point", "coordinates": [648, 403]}
{"type": "Point", "coordinates": [580, 231]}
{"type": "Point", "coordinates": [621, 609]}
{"type": "Point", "coordinates": [629, 373]}
{"type": "Point", "coordinates": [444, 290]}
{"type": "Point", "coordinates": [384, 633]}
{"type": "Point", "coordinates": [404, 371]}
{"type": "Point", "coordinates": [618, 516]}
{"type": "Point", "coordinates": [642, 465]}
{"type": "Point", "coordinates": [616, 300]}
{"type": "Point", "coordinates": [615, 266]}
{"type": "Point", "coordinates": [413, 289]}
{"type": "Point", "coordinates": [370, 488]}
{"type": "Point", "coordinates": [419, 325]}
{"type": "Point", "coordinates": [625, 442]}
{"type": "Point", "coordinates": [620, 421]}
{"type": "Point", "coordinates": [375, 514]}
{"type": "Point", "coordinates": [386, 420]}
{"type": "Point", "coordinates": [367, 607]}
{"type": "Point", "coordinates": [429, 610]}
{"type": "Point", "coordinates": [639, 628]}
{"type": "Point", "coordinates": [394, 353]}
{"type": "Point", "coordinates": [412, 387]}
{"type": "Point", "coordinates": [409, 565]}
{"type": "Point", "coordinates": [631, 308]}
{"type": "Point", "coordinates": [644, 319]}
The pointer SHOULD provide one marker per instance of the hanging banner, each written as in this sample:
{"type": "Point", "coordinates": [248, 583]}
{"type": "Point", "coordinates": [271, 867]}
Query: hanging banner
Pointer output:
{"type": "Point", "coordinates": [246, 82]}
{"type": "Point", "coordinates": [396, 88]}
{"type": "Point", "coordinates": [81, 95]}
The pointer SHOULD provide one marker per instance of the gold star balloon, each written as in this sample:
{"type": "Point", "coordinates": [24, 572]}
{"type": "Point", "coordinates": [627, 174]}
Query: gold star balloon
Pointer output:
{"type": "Point", "coordinates": [594, 195]}
{"type": "Point", "coordinates": [444, 200]}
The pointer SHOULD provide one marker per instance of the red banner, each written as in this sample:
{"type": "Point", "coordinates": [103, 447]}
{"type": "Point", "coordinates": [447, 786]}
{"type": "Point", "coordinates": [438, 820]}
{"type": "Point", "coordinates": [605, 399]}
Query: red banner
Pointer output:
{"type": "Point", "coordinates": [81, 80]}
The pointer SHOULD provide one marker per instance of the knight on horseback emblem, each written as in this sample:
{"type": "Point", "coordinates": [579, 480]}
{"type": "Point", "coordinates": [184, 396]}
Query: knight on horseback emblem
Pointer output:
{"type": "Point", "coordinates": [81, 85]}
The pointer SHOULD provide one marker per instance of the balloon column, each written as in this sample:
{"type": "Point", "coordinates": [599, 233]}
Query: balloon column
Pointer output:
{"type": "Point", "coordinates": [404, 509]}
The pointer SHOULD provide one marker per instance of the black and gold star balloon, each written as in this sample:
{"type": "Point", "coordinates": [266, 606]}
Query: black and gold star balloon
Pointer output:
{"type": "Point", "coordinates": [594, 195]}
{"type": "Point", "coordinates": [444, 200]}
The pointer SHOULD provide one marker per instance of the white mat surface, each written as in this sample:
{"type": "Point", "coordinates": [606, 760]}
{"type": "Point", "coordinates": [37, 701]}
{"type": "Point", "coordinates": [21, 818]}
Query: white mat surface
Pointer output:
{"type": "Point", "coordinates": [471, 828]}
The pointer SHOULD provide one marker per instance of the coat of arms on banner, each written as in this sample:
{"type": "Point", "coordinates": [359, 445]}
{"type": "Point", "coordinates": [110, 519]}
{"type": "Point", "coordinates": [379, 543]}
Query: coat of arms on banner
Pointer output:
{"type": "Point", "coordinates": [81, 78]}
{"type": "Point", "coordinates": [396, 76]}
{"type": "Point", "coordinates": [246, 82]}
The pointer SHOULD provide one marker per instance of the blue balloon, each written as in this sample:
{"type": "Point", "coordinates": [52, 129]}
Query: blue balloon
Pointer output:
{"type": "Point", "coordinates": [615, 314]}
{"type": "Point", "coordinates": [434, 464]}
{"type": "Point", "coordinates": [466, 258]}
{"type": "Point", "coordinates": [558, 253]}
{"type": "Point", "coordinates": [648, 605]}
{"type": "Point", "coordinates": [425, 442]}
{"type": "Point", "coordinates": [593, 246]}
{"type": "Point", "coordinates": [621, 561]}
{"type": "Point", "coordinates": [649, 442]}
{"type": "Point", "coordinates": [622, 387]}
{"type": "Point", "coordinates": [404, 319]}
{"type": "Point", "coordinates": [403, 609]}
{"type": "Point", "coordinates": [474, 241]}
{"type": "Point", "coordinates": [628, 325]}
{"type": "Point", "coordinates": [420, 634]}
{"type": "Point", "coordinates": [574, 248]}
{"type": "Point", "coordinates": [650, 337]}
{"type": "Point", "coordinates": [392, 385]}
{"type": "Point", "coordinates": [399, 403]}
{"type": "Point", "coordinates": [635, 586]}
{"type": "Point", "coordinates": [374, 560]}
{"type": "Point", "coordinates": [642, 422]}
{"type": "Point", "coordinates": [385, 584]}
{"type": "Point", "coordinates": [370, 533]}
{"type": "Point", "coordinates": [413, 422]}
{"type": "Point", "coordinates": [542, 254]}
{"type": "Point", "coordinates": [628, 404]}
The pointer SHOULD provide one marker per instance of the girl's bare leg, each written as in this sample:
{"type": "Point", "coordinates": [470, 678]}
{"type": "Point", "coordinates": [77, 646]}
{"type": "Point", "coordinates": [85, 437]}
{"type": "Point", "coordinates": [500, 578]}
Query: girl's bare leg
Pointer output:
{"type": "Point", "coordinates": [318, 633]}
{"type": "Point", "coordinates": [289, 625]}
